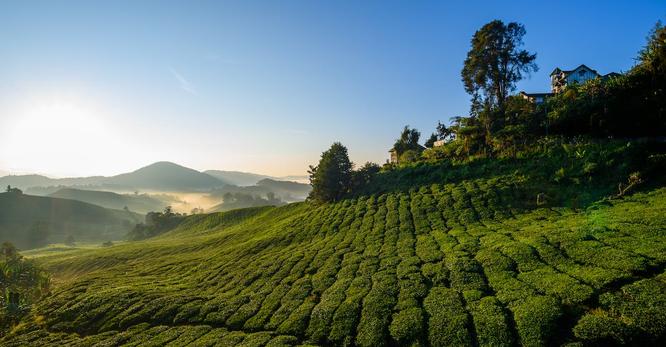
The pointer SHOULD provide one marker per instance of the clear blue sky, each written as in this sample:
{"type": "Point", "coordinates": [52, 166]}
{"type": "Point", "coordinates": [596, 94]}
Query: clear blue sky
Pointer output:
{"type": "Point", "coordinates": [102, 87]}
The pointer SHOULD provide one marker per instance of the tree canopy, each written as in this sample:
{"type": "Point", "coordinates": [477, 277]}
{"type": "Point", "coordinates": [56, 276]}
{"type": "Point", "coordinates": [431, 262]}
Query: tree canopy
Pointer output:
{"type": "Point", "coordinates": [331, 179]}
{"type": "Point", "coordinates": [408, 140]}
{"type": "Point", "coordinates": [496, 62]}
{"type": "Point", "coordinates": [21, 283]}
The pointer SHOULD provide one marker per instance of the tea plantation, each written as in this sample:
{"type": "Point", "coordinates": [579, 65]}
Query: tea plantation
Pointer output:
{"type": "Point", "coordinates": [431, 256]}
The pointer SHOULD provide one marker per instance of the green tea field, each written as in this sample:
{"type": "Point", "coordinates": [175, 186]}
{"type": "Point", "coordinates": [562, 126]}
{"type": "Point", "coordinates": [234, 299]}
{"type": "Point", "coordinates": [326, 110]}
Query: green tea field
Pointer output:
{"type": "Point", "coordinates": [468, 262]}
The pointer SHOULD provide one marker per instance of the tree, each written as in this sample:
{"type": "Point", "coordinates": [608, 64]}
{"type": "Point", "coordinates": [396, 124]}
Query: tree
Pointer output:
{"type": "Point", "coordinates": [21, 283]}
{"type": "Point", "coordinates": [364, 175]}
{"type": "Point", "coordinates": [408, 140]}
{"type": "Point", "coordinates": [430, 143]}
{"type": "Point", "coordinates": [331, 179]}
{"type": "Point", "coordinates": [13, 190]}
{"type": "Point", "coordinates": [493, 66]}
{"type": "Point", "coordinates": [652, 57]}
{"type": "Point", "coordinates": [444, 133]}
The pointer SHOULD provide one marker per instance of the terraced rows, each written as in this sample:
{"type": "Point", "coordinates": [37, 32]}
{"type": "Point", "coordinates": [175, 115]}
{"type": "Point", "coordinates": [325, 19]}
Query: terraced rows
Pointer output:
{"type": "Point", "coordinates": [440, 265]}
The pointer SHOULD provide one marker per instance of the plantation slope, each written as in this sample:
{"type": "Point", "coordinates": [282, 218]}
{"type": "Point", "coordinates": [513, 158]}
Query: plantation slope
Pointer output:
{"type": "Point", "coordinates": [445, 264]}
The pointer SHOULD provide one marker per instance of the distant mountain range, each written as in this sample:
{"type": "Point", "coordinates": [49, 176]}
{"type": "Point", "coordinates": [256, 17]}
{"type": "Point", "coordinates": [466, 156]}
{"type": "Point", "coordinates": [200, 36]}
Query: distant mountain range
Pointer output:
{"type": "Point", "coordinates": [34, 221]}
{"type": "Point", "coordinates": [160, 176]}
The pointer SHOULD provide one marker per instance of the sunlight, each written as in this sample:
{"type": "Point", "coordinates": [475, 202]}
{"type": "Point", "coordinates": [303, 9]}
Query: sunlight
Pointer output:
{"type": "Point", "coordinates": [58, 130]}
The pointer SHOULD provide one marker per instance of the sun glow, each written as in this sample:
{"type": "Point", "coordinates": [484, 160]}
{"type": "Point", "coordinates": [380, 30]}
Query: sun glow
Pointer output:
{"type": "Point", "coordinates": [62, 132]}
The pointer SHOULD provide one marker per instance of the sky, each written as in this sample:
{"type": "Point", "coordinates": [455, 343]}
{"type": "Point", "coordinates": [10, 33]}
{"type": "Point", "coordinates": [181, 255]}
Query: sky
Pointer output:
{"type": "Point", "coordinates": [105, 87]}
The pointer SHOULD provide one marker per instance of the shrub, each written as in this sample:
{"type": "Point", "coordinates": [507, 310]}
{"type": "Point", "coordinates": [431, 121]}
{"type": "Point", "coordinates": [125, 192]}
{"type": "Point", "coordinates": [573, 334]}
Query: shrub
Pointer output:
{"type": "Point", "coordinates": [491, 325]}
{"type": "Point", "coordinates": [448, 322]}
{"type": "Point", "coordinates": [536, 318]}
{"type": "Point", "coordinates": [407, 325]}
{"type": "Point", "coordinates": [601, 329]}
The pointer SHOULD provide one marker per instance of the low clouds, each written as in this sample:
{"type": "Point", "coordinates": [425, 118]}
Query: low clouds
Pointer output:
{"type": "Point", "coordinates": [183, 82]}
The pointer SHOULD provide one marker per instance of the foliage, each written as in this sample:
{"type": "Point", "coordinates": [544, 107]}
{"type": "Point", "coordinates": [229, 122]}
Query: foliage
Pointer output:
{"type": "Point", "coordinates": [408, 141]}
{"type": "Point", "coordinates": [156, 223]}
{"type": "Point", "coordinates": [22, 283]}
{"type": "Point", "coordinates": [503, 125]}
{"type": "Point", "coordinates": [441, 253]}
{"type": "Point", "coordinates": [493, 65]}
{"type": "Point", "coordinates": [331, 179]}
{"type": "Point", "coordinates": [430, 142]}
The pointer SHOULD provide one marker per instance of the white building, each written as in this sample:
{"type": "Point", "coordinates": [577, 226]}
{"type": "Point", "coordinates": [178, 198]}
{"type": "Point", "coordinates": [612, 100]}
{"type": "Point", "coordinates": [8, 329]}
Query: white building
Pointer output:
{"type": "Point", "coordinates": [560, 79]}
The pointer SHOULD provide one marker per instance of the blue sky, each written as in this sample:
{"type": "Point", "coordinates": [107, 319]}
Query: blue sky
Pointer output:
{"type": "Point", "coordinates": [103, 87]}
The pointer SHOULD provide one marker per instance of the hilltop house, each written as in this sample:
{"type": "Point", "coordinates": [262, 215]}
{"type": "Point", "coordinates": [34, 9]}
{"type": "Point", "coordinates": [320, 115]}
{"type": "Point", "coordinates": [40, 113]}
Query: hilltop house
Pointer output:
{"type": "Point", "coordinates": [560, 79]}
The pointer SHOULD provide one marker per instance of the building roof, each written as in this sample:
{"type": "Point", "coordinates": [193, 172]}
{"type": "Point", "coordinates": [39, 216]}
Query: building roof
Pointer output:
{"type": "Point", "coordinates": [567, 72]}
{"type": "Point", "coordinates": [611, 74]}
{"type": "Point", "coordinates": [536, 95]}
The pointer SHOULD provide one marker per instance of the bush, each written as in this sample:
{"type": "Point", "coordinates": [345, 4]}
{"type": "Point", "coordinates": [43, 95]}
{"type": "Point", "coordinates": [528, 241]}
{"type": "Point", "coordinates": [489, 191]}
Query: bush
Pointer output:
{"type": "Point", "coordinates": [601, 329]}
{"type": "Point", "coordinates": [536, 319]}
{"type": "Point", "coordinates": [491, 325]}
{"type": "Point", "coordinates": [407, 325]}
{"type": "Point", "coordinates": [448, 322]}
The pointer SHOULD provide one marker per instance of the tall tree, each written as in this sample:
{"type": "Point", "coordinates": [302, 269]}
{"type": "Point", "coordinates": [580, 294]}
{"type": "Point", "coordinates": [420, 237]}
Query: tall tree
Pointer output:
{"type": "Point", "coordinates": [408, 140]}
{"type": "Point", "coordinates": [496, 62]}
{"type": "Point", "coordinates": [493, 66]}
{"type": "Point", "coordinates": [331, 179]}
{"type": "Point", "coordinates": [652, 58]}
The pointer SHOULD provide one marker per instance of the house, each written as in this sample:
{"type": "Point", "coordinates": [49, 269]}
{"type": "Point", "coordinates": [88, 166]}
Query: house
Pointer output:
{"type": "Point", "coordinates": [439, 143]}
{"type": "Point", "coordinates": [537, 98]}
{"type": "Point", "coordinates": [560, 79]}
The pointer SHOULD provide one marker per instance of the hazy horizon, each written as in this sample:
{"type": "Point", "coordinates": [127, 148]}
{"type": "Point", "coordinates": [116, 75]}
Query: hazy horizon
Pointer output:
{"type": "Point", "coordinates": [264, 87]}
{"type": "Point", "coordinates": [7, 172]}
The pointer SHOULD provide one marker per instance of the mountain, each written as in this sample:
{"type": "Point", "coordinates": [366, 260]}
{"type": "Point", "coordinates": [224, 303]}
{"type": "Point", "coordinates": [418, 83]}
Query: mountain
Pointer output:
{"type": "Point", "coordinates": [137, 203]}
{"type": "Point", "coordinates": [435, 254]}
{"type": "Point", "coordinates": [33, 221]}
{"type": "Point", "coordinates": [160, 176]}
{"type": "Point", "coordinates": [166, 176]}
{"type": "Point", "coordinates": [236, 178]}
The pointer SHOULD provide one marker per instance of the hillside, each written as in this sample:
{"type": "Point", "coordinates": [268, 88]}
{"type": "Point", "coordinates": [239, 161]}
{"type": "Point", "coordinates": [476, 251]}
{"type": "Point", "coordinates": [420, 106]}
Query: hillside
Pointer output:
{"type": "Point", "coordinates": [136, 203]}
{"type": "Point", "coordinates": [437, 254]}
{"type": "Point", "coordinates": [32, 221]}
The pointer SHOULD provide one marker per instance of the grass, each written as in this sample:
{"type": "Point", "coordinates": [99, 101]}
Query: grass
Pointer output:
{"type": "Point", "coordinates": [439, 263]}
